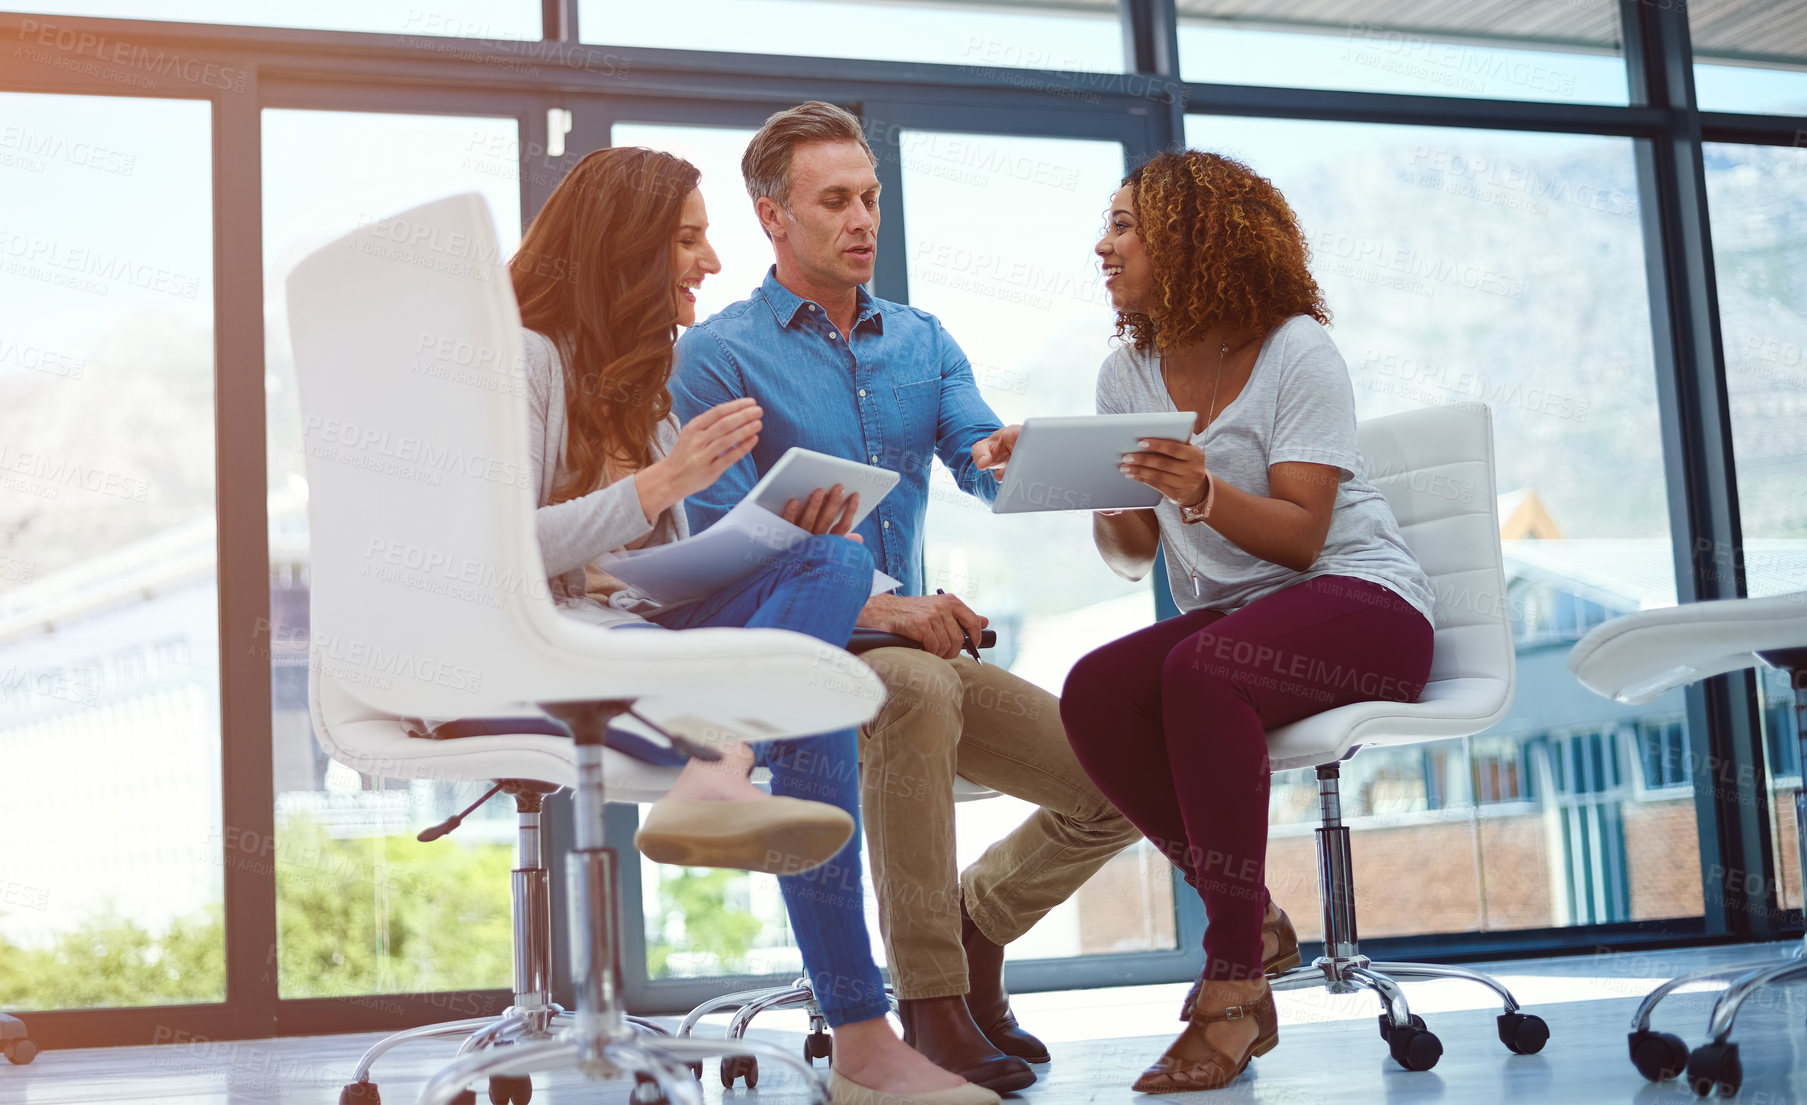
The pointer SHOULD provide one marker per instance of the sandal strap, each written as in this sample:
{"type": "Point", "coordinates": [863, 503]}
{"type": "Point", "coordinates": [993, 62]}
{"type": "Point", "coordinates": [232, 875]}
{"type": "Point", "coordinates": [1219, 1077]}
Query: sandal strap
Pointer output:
{"type": "Point", "coordinates": [1237, 1012]}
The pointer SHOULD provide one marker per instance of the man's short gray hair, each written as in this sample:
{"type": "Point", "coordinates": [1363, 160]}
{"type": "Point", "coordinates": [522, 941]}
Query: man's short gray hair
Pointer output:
{"type": "Point", "coordinates": [766, 165]}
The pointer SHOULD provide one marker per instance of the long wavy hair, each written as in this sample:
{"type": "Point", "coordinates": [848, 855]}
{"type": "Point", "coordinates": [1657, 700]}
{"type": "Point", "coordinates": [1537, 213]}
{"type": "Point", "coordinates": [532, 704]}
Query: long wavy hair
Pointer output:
{"type": "Point", "coordinates": [1224, 250]}
{"type": "Point", "coordinates": [594, 275]}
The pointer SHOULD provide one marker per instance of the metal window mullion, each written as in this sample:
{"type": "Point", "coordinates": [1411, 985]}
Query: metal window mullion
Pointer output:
{"type": "Point", "coordinates": [1695, 421]}
{"type": "Point", "coordinates": [247, 762]}
{"type": "Point", "coordinates": [558, 20]}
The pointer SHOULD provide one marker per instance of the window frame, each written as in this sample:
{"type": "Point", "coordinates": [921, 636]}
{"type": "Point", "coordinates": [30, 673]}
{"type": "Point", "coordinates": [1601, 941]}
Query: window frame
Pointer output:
{"type": "Point", "coordinates": [284, 68]}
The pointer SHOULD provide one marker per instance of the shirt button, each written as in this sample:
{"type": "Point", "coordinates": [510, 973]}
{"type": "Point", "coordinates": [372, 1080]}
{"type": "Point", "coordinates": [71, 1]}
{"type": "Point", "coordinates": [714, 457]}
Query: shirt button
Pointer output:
{"type": "Point", "coordinates": [812, 306]}
{"type": "Point", "coordinates": [885, 524]}
{"type": "Point", "coordinates": [862, 393]}
{"type": "Point", "coordinates": [874, 458]}
{"type": "Point", "coordinates": [833, 334]}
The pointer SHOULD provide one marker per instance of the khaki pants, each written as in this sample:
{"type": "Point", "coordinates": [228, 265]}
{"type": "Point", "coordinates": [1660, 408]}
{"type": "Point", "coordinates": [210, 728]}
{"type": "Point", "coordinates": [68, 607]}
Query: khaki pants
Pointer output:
{"type": "Point", "coordinates": [957, 717]}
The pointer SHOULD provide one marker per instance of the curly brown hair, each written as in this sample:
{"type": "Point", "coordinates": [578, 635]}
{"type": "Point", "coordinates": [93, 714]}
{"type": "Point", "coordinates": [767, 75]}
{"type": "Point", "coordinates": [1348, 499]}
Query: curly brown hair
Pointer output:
{"type": "Point", "coordinates": [1224, 248]}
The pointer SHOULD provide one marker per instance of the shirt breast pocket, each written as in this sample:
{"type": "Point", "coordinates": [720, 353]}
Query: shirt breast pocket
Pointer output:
{"type": "Point", "coordinates": [919, 408]}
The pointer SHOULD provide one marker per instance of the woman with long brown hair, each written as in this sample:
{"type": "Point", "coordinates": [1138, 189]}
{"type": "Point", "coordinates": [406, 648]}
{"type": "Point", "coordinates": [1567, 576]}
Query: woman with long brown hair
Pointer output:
{"type": "Point", "coordinates": [605, 275]}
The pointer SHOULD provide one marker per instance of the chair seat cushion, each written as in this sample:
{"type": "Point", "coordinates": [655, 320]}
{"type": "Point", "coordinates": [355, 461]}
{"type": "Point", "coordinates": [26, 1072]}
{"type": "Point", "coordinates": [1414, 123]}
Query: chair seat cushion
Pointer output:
{"type": "Point", "coordinates": [1448, 708]}
{"type": "Point", "coordinates": [1640, 656]}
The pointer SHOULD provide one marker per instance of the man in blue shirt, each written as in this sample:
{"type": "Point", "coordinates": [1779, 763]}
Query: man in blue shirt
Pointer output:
{"type": "Point", "coordinates": [838, 371]}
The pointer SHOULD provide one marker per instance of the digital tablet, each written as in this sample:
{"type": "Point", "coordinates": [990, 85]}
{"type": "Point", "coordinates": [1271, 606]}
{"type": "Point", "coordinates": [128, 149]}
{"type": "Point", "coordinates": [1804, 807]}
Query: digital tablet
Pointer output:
{"type": "Point", "coordinates": [800, 471]}
{"type": "Point", "coordinates": [1071, 463]}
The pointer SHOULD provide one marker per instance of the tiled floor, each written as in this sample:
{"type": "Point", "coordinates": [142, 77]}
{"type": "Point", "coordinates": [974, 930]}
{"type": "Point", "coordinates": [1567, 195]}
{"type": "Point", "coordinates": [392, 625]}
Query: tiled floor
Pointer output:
{"type": "Point", "coordinates": [1329, 1053]}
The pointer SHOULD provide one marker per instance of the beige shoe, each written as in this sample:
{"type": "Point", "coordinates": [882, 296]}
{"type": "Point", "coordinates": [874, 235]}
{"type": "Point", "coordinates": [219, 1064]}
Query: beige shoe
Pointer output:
{"type": "Point", "coordinates": [780, 836]}
{"type": "Point", "coordinates": [844, 1091]}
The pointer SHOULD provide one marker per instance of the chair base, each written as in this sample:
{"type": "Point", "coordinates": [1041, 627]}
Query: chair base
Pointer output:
{"type": "Point", "coordinates": [747, 1004]}
{"type": "Point", "coordinates": [660, 1065]}
{"type": "Point", "coordinates": [1344, 970]}
{"type": "Point", "coordinates": [1713, 1066]}
{"type": "Point", "coordinates": [1413, 1045]}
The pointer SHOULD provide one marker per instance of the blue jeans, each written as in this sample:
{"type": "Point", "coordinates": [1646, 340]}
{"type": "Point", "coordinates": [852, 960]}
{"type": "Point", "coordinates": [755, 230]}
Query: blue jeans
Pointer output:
{"type": "Point", "coordinates": [818, 589]}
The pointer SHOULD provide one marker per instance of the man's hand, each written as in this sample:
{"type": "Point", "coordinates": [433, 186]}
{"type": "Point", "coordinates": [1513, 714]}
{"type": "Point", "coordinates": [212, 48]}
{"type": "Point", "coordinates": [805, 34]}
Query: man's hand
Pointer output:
{"type": "Point", "coordinates": [827, 510]}
{"type": "Point", "coordinates": [936, 621]}
{"type": "Point", "coordinates": [993, 453]}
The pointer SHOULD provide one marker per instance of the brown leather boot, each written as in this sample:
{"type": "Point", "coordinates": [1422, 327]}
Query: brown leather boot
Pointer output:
{"type": "Point", "coordinates": [1192, 1062]}
{"type": "Point", "coordinates": [943, 1031]}
{"type": "Point", "coordinates": [1276, 925]}
{"type": "Point", "coordinates": [987, 999]}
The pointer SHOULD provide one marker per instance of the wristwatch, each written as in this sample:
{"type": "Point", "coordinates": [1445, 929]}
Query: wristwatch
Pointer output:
{"type": "Point", "coordinates": [1197, 512]}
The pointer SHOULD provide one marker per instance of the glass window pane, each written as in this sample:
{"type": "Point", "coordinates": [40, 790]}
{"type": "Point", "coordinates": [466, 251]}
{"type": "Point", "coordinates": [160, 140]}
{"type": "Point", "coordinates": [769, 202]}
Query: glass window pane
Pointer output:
{"type": "Point", "coordinates": [1082, 37]}
{"type": "Point", "coordinates": [513, 19]}
{"type": "Point", "coordinates": [1508, 269]}
{"type": "Point", "coordinates": [1749, 55]}
{"type": "Point", "coordinates": [361, 904]}
{"type": "Point", "coordinates": [739, 243]}
{"type": "Point", "coordinates": [1759, 257]}
{"type": "Point", "coordinates": [1021, 292]}
{"type": "Point", "coordinates": [1563, 52]}
{"type": "Point", "coordinates": [111, 886]}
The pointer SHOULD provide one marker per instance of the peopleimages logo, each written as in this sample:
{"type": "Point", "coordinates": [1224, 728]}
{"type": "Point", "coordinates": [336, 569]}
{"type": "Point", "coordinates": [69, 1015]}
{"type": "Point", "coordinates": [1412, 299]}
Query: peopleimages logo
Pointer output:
{"type": "Point", "coordinates": [80, 50]}
{"type": "Point", "coordinates": [411, 457]}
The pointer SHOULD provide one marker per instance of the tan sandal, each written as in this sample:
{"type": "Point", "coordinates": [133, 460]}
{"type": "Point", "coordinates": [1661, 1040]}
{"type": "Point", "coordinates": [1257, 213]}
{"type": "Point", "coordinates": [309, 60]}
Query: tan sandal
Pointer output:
{"type": "Point", "coordinates": [845, 1091]}
{"type": "Point", "coordinates": [1192, 1062]}
{"type": "Point", "coordinates": [777, 835]}
{"type": "Point", "coordinates": [1286, 953]}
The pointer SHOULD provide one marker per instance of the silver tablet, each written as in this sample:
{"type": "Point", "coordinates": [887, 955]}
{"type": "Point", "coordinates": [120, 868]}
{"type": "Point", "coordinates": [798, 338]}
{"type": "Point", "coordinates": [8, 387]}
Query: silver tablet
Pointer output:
{"type": "Point", "coordinates": [800, 471]}
{"type": "Point", "coordinates": [1071, 463]}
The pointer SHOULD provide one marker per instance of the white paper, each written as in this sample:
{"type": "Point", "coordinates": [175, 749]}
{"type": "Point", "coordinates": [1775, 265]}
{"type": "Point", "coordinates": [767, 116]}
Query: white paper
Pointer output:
{"type": "Point", "coordinates": [746, 539]}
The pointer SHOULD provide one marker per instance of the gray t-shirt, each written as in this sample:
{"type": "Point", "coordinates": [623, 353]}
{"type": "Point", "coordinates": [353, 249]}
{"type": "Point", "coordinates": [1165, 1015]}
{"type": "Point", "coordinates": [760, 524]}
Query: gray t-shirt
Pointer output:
{"type": "Point", "coordinates": [1297, 406]}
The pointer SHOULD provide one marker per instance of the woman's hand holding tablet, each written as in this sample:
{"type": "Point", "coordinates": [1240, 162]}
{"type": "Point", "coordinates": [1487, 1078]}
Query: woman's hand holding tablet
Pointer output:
{"type": "Point", "coordinates": [1077, 463]}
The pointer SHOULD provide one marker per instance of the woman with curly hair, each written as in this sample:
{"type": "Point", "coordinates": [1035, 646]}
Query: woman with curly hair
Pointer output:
{"type": "Point", "coordinates": [1296, 592]}
{"type": "Point", "coordinates": [605, 275]}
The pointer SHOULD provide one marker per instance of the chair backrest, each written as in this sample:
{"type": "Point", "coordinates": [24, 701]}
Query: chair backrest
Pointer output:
{"type": "Point", "coordinates": [407, 355]}
{"type": "Point", "coordinates": [1436, 468]}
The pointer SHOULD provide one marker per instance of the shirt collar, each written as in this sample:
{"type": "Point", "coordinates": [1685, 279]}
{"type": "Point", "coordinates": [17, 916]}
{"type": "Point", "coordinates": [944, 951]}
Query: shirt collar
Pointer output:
{"type": "Point", "coordinates": [785, 303]}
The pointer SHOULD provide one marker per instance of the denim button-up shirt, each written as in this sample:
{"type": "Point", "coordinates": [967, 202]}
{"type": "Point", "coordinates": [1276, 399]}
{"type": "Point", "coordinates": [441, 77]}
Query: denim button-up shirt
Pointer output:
{"type": "Point", "coordinates": [893, 392]}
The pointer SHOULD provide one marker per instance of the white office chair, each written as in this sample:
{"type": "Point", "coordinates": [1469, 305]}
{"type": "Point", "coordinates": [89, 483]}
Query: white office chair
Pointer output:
{"type": "Point", "coordinates": [429, 600]}
{"type": "Point", "coordinates": [1637, 658]}
{"type": "Point", "coordinates": [1435, 467]}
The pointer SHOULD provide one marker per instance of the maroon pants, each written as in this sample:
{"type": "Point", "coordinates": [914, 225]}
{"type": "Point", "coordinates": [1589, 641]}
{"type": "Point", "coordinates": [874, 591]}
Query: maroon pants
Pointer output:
{"type": "Point", "coordinates": [1171, 722]}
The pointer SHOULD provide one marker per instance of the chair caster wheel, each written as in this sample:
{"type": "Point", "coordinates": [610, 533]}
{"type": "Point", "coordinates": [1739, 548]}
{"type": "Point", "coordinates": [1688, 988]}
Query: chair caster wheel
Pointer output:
{"type": "Point", "coordinates": [360, 1093]}
{"type": "Point", "coordinates": [739, 1066]}
{"type": "Point", "coordinates": [647, 1092]}
{"type": "Point", "coordinates": [1523, 1033]}
{"type": "Point", "coordinates": [20, 1051]}
{"type": "Point", "coordinates": [1659, 1056]}
{"type": "Point", "coordinates": [1386, 1025]}
{"type": "Point", "coordinates": [696, 1070]}
{"type": "Point", "coordinates": [510, 1089]}
{"type": "Point", "coordinates": [1414, 1048]}
{"type": "Point", "coordinates": [465, 1097]}
{"type": "Point", "coordinates": [818, 1045]}
{"type": "Point", "coordinates": [1715, 1066]}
